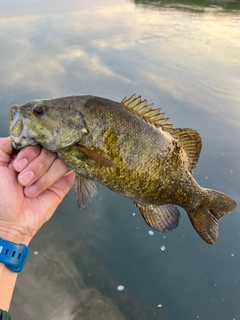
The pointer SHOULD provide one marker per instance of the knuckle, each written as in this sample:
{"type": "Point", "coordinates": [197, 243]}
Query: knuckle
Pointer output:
{"type": "Point", "coordinates": [44, 161]}
{"type": "Point", "coordinates": [60, 164]}
{"type": "Point", "coordinates": [48, 153]}
{"type": "Point", "coordinates": [40, 165]}
{"type": "Point", "coordinates": [30, 152]}
{"type": "Point", "coordinates": [44, 183]}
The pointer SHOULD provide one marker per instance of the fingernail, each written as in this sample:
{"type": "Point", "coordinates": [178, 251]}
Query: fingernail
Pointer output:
{"type": "Point", "coordinates": [31, 190]}
{"type": "Point", "coordinates": [26, 178]}
{"type": "Point", "coordinates": [21, 164]}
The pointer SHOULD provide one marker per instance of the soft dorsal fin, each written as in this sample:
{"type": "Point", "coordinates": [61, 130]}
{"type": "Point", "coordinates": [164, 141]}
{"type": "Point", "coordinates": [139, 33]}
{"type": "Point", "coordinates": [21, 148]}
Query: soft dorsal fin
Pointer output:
{"type": "Point", "coordinates": [143, 110]}
{"type": "Point", "coordinates": [191, 141]}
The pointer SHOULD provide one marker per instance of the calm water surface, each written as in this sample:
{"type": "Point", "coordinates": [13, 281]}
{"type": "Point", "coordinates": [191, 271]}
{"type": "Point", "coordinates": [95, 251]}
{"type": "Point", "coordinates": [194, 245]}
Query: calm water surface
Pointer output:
{"type": "Point", "coordinates": [184, 57]}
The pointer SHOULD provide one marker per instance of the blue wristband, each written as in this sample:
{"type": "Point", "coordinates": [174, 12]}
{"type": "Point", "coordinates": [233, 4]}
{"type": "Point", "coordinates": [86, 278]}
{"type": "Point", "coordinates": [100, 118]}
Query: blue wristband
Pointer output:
{"type": "Point", "coordinates": [13, 255]}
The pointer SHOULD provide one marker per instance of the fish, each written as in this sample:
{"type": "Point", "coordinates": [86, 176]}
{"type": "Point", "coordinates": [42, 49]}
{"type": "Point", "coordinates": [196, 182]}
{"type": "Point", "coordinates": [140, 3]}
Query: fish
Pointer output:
{"type": "Point", "coordinates": [130, 148]}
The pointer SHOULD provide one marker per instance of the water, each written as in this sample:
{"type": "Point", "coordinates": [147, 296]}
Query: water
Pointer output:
{"type": "Point", "coordinates": [184, 57]}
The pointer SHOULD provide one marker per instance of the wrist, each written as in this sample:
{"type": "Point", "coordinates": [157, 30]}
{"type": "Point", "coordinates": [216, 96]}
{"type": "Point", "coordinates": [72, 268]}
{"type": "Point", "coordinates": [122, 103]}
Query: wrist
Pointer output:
{"type": "Point", "coordinates": [13, 255]}
{"type": "Point", "coordinates": [14, 236]}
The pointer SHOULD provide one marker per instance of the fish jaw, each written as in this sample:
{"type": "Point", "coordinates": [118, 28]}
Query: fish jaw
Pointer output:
{"type": "Point", "coordinates": [19, 133]}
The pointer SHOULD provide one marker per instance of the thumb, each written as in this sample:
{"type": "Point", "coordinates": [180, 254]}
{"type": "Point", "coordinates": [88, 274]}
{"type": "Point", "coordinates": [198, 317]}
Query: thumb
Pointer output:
{"type": "Point", "coordinates": [5, 151]}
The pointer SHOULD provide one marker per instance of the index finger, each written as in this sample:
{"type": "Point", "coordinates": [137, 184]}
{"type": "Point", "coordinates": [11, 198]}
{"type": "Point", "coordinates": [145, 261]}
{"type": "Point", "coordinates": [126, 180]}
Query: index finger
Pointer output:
{"type": "Point", "coordinates": [25, 156]}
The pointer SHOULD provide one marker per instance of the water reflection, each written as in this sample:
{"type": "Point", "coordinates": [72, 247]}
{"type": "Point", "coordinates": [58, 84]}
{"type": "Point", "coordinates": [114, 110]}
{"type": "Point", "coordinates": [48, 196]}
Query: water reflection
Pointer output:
{"type": "Point", "coordinates": [188, 64]}
{"type": "Point", "coordinates": [196, 6]}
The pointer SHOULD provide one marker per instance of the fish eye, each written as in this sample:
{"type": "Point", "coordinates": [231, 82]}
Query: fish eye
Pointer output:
{"type": "Point", "coordinates": [38, 111]}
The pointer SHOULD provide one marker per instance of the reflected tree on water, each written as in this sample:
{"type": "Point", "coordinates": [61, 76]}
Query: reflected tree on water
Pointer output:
{"type": "Point", "coordinates": [192, 5]}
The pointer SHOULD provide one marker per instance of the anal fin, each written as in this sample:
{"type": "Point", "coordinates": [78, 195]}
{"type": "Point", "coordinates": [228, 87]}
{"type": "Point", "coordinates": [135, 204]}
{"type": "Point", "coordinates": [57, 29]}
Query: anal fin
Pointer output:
{"type": "Point", "coordinates": [85, 190]}
{"type": "Point", "coordinates": [161, 218]}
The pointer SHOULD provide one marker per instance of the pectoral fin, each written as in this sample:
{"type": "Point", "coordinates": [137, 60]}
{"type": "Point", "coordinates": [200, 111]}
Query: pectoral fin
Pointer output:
{"type": "Point", "coordinates": [161, 218]}
{"type": "Point", "coordinates": [85, 190]}
{"type": "Point", "coordinates": [91, 155]}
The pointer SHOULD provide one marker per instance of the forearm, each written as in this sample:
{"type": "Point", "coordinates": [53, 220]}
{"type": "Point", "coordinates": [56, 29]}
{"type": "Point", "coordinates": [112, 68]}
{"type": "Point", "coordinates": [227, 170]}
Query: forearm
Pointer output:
{"type": "Point", "coordinates": [7, 283]}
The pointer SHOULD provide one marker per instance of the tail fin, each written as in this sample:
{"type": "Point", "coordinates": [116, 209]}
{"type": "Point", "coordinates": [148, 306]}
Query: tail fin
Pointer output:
{"type": "Point", "coordinates": [205, 218]}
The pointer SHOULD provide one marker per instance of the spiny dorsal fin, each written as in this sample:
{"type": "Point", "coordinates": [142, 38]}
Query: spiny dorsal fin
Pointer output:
{"type": "Point", "coordinates": [143, 110]}
{"type": "Point", "coordinates": [191, 141]}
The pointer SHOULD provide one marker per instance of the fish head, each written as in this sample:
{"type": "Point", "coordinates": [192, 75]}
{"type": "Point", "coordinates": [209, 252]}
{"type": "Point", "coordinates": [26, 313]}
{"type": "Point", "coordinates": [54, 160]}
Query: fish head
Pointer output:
{"type": "Point", "coordinates": [44, 122]}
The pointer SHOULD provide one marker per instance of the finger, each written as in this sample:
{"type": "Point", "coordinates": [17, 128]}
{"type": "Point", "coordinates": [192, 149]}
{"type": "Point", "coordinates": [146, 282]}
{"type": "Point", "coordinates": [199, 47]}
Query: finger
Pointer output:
{"type": "Point", "coordinates": [5, 145]}
{"type": "Point", "coordinates": [53, 174]}
{"type": "Point", "coordinates": [62, 186]}
{"type": "Point", "coordinates": [69, 179]}
{"type": "Point", "coordinates": [26, 156]}
{"type": "Point", "coordinates": [37, 168]}
{"type": "Point", "coordinates": [52, 197]}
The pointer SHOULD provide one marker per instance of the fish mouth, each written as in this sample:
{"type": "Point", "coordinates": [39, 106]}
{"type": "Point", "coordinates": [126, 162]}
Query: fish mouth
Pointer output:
{"type": "Point", "coordinates": [20, 142]}
{"type": "Point", "coordinates": [18, 130]}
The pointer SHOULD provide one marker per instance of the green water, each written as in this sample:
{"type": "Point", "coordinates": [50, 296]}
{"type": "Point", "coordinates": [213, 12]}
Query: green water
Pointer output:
{"type": "Point", "coordinates": [185, 57]}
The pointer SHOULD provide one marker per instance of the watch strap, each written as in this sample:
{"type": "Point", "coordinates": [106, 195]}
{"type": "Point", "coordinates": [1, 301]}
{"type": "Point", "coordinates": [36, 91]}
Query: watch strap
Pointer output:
{"type": "Point", "coordinates": [13, 255]}
{"type": "Point", "coordinates": [4, 315]}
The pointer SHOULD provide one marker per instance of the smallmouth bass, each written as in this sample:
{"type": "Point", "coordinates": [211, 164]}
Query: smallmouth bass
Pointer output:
{"type": "Point", "coordinates": [131, 149]}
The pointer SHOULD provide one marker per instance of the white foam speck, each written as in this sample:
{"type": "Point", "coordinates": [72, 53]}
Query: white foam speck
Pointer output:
{"type": "Point", "coordinates": [134, 214]}
{"type": "Point", "coordinates": [151, 233]}
{"type": "Point", "coordinates": [206, 177]}
{"type": "Point", "coordinates": [137, 228]}
{"type": "Point", "coordinates": [232, 254]}
{"type": "Point", "coordinates": [163, 248]}
{"type": "Point", "coordinates": [120, 288]}
{"type": "Point", "coordinates": [35, 252]}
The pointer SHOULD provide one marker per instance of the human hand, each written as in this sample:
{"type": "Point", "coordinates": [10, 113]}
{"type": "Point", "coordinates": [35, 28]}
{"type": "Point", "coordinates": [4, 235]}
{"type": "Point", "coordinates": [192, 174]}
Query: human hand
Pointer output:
{"type": "Point", "coordinates": [32, 185]}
